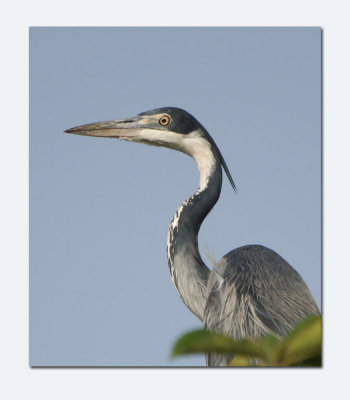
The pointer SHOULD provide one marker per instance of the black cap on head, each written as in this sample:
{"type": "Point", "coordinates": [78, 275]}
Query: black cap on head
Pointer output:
{"type": "Point", "coordinates": [181, 121]}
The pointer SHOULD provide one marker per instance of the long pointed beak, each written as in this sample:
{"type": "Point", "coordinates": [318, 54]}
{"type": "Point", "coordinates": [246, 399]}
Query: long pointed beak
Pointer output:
{"type": "Point", "coordinates": [118, 128]}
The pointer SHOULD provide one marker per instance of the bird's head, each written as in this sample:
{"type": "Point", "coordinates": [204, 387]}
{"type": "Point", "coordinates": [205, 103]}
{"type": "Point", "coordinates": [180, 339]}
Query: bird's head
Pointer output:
{"type": "Point", "coordinates": [167, 127]}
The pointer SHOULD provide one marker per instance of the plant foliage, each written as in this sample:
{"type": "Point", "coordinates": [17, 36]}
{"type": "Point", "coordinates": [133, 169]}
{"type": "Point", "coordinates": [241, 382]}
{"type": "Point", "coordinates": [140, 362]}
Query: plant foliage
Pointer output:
{"type": "Point", "coordinates": [301, 347]}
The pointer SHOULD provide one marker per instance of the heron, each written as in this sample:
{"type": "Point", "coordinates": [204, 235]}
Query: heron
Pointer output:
{"type": "Point", "coordinates": [251, 291]}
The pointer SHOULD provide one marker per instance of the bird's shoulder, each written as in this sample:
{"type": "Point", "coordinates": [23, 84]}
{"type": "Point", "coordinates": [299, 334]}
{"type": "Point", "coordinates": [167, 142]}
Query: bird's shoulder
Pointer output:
{"type": "Point", "coordinates": [256, 261]}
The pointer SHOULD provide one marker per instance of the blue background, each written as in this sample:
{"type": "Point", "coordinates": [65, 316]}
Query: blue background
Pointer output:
{"type": "Point", "coordinates": [100, 289]}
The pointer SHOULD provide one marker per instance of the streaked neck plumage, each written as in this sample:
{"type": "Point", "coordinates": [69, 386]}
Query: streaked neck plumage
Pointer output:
{"type": "Point", "coordinates": [188, 271]}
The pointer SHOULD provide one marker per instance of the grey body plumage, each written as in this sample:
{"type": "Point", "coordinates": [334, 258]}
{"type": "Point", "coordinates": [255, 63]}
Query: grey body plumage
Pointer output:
{"type": "Point", "coordinates": [251, 291]}
{"type": "Point", "coordinates": [255, 292]}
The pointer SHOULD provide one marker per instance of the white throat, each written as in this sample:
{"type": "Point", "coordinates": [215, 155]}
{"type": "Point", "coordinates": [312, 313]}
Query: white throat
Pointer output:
{"type": "Point", "coordinates": [191, 144]}
{"type": "Point", "coordinates": [199, 149]}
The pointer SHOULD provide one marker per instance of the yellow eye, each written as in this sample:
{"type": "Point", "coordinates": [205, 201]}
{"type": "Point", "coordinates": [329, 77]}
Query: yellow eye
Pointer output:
{"type": "Point", "coordinates": [164, 120]}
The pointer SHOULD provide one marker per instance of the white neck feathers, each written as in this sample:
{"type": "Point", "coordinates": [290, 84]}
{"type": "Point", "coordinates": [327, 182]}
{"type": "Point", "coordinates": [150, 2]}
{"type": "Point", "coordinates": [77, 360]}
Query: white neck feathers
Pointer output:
{"type": "Point", "coordinates": [199, 149]}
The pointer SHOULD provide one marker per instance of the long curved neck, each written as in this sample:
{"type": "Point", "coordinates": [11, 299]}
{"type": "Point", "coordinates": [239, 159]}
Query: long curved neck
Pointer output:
{"type": "Point", "coordinates": [188, 271]}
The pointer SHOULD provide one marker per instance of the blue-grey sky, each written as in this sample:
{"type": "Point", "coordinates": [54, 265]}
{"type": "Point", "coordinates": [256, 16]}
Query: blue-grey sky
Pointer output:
{"type": "Point", "coordinates": [100, 289]}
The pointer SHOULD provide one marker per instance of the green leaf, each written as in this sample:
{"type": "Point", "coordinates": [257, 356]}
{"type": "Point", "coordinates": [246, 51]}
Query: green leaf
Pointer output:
{"type": "Point", "coordinates": [241, 361]}
{"type": "Point", "coordinates": [271, 345]}
{"type": "Point", "coordinates": [303, 344]}
{"type": "Point", "coordinates": [203, 341]}
{"type": "Point", "coordinates": [310, 362]}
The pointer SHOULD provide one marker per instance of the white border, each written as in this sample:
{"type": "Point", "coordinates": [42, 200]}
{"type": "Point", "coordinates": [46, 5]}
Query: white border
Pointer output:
{"type": "Point", "coordinates": [18, 380]}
